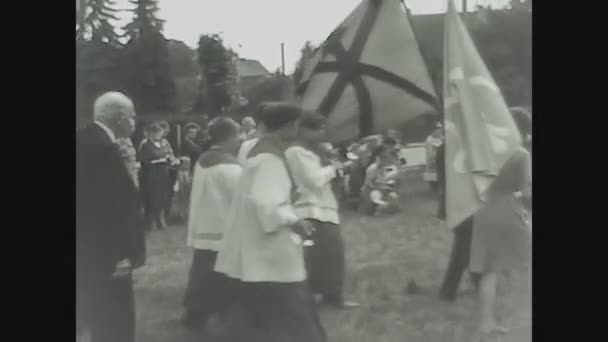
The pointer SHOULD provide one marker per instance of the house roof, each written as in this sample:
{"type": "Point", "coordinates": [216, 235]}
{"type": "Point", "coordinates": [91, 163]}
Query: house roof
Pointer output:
{"type": "Point", "coordinates": [250, 67]}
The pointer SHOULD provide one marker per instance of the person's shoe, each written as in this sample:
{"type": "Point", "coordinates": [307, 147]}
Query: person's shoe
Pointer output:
{"type": "Point", "coordinates": [162, 224]}
{"type": "Point", "coordinates": [343, 305]}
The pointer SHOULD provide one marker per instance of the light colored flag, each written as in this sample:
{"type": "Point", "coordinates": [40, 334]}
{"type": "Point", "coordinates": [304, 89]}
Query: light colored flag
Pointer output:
{"type": "Point", "coordinates": [369, 74]}
{"type": "Point", "coordinates": [479, 129]}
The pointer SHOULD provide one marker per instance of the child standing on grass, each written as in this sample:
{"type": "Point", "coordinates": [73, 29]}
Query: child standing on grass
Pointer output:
{"type": "Point", "coordinates": [313, 174]}
{"type": "Point", "coordinates": [182, 189]}
{"type": "Point", "coordinates": [216, 177]}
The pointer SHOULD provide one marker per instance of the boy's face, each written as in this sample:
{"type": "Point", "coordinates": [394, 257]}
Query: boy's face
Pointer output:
{"type": "Point", "coordinates": [191, 135]}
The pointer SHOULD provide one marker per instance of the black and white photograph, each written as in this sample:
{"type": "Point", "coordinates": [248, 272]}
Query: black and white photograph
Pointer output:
{"type": "Point", "coordinates": [303, 171]}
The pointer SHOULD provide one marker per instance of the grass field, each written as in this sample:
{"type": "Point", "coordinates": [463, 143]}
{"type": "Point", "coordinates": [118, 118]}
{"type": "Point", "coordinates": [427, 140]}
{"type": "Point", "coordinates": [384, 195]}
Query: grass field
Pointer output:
{"type": "Point", "coordinates": [383, 255]}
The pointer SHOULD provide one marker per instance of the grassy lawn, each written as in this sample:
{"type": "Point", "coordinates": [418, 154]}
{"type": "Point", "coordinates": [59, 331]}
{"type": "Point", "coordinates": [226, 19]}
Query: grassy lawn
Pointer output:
{"type": "Point", "coordinates": [383, 255]}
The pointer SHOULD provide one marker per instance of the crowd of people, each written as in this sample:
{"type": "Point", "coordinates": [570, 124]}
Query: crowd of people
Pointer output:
{"type": "Point", "coordinates": [263, 218]}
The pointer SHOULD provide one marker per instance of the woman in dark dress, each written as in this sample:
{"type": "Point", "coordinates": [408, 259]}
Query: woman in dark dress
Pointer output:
{"type": "Point", "coordinates": [502, 230]}
{"type": "Point", "coordinates": [155, 176]}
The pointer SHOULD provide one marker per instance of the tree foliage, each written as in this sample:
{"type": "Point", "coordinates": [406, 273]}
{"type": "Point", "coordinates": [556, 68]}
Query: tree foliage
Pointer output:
{"type": "Point", "coordinates": [270, 89]}
{"type": "Point", "coordinates": [145, 18]}
{"type": "Point", "coordinates": [146, 63]}
{"type": "Point", "coordinates": [97, 26]}
{"type": "Point", "coordinates": [217, 81]}
{"type": "Point", "coordinates": [504, 39]}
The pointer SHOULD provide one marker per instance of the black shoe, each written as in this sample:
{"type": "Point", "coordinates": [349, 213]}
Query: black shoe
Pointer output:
{"type": "Point", "coordinates": [341, 304]}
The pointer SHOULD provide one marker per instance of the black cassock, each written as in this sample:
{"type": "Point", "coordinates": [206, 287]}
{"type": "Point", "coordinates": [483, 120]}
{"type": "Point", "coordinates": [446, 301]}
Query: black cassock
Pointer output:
{"type": "Point", "coordinates": [155, 177]}
{"type": "Point", "coordinates": [109, 228]}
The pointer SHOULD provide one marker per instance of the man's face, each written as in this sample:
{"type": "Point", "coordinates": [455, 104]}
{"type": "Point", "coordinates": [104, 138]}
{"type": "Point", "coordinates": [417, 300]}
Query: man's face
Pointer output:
{"type": "Point", "coordinates": [125, 125]}
{"type": "Point", "coordinates": [247, 125]}
{"type": "Point", "coordinates": [191, 134]}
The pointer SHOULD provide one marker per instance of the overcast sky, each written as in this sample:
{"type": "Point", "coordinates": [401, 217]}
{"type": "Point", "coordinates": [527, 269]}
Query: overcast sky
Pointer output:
{"type": "Point", "coordinates": [255, 29]}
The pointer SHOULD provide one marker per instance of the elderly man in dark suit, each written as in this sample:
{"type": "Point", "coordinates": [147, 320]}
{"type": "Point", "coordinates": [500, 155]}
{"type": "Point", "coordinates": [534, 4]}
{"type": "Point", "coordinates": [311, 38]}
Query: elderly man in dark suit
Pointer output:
{"type": "Point", "coordinates": [110, 241]}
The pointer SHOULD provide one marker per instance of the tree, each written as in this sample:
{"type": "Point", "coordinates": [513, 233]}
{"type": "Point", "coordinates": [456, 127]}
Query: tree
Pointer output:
{"type": "Point", "coordinates": [216, 63]}
{"type": "Point", "coordinates": [185, 72]}
{"type": "Point", "coordinates": [145, 18]}
{"type": "Point", "coordinates": [504, 38]}
{"type": "Point", "coordinates": [182, 60]}
{"type": "Point", "coordinates": [97, 71]}
{"type": "Point", "coordinates": [98, 16]}
{"type": "Point", "coordinates": [146, 64]}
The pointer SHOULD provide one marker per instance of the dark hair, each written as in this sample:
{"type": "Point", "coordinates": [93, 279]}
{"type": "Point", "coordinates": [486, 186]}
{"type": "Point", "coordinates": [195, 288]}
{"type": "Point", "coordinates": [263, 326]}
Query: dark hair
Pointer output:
{"type": "Point", "coordinates": [222, 129]}
{"type": "Point", "coordinates": [276, 115]}
{"type": "Point", "coordinates": [164, 125]}
{"type": "Point", "coordinates": [388, 141]}
{"type": "Point", "coordinates": [376, 152]}
{"type": "Point", "coordinates": [312, 120]}
{"type": "Point", "coordinates": [153, 128]}
{"type": "Point", "coordinates": [192, 125]}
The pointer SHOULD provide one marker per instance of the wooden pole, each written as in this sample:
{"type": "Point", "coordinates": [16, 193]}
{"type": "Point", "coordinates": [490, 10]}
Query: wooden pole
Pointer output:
{"type": "Point", "coordinates": [282, 59]}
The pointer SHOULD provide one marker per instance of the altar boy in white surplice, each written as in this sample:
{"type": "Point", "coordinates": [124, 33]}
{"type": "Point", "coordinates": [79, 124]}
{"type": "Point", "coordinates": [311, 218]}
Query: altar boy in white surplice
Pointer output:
{"type": "Point", "coordinates": [216, 177]}
{"type": "Point", "coordinates": [272, 302]}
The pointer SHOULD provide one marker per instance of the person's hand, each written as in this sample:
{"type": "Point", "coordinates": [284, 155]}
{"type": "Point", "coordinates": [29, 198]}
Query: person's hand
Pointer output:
{"type": "Point", "coordinates": [123, 268]}
{"type": "Point", "coordinates": [303, 228]}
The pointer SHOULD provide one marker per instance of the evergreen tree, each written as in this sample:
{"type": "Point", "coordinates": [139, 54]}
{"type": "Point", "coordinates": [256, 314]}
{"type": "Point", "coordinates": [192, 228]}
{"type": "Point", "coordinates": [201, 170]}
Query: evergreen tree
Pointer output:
{"type": "Point", "coordinates": [145, 19]}
{"type": "Point", "coordinates": [217, 72]}
{"type": "Point", "coordinates": [146, 64]}
{"type": "Point", "coordinates": [97, 16]}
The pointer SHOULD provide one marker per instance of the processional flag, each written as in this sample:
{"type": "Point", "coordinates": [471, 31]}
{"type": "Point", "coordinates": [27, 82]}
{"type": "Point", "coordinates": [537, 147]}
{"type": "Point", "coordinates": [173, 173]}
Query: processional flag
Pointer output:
{"type": "Point", "coordinates": [369, 74]}
{"type": "Point", "coordinates": [479, 129]}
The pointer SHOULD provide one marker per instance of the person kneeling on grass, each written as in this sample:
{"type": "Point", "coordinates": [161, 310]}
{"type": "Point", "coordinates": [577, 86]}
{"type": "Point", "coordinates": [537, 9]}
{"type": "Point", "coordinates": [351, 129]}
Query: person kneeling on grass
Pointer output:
{"type": "Point", "coordinates": [379, 193]}
{"type": "Point", "coordinates": [216, 178]}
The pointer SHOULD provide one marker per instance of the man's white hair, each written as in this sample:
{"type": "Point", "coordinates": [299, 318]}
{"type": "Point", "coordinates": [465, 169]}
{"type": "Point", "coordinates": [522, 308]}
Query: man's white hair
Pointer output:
{"type": "Point", "coordinates": [111, 106]}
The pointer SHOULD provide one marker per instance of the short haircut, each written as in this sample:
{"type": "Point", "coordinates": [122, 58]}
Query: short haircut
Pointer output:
{"type": "Point", "coordinates": [153, 128]}
{"type": "Point", "coordinates": [191, 125]}
{"type": "Point", "coordinates": [222, 129]}
{"type": "Point", "coordinates": [312, 120]}
{"type": "Point", "coordinates": [378, 151]}
{"type": "Point", "coordinates": [276, 115]}
{"type": "Point", "coordinates": [164, 125]}
{"type": "Point", "coordinates": [248, 119]}
{"type": "Point", "coordinates": [111, 106]}
{"type": "Point", "coordinates": [388, 141]}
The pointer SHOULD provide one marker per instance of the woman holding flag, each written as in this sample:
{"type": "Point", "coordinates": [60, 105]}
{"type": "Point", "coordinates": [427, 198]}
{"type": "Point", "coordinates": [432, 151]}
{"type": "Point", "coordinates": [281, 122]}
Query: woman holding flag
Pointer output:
{"type": "Point", "coordinates": [502, 230]}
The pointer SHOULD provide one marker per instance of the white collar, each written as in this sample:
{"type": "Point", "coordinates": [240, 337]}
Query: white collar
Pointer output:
{"type": "Point", "coordinates": [108, 131]}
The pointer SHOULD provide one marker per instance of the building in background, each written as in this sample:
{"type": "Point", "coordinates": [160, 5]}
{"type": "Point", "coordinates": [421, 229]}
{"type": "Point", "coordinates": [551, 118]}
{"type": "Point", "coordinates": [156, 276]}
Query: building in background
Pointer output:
{"type": "Point", "coordinates": [250, 72]}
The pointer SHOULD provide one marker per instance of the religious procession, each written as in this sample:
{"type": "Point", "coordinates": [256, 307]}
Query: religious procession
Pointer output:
{"type": "Point", "coordinates": [376, 197]}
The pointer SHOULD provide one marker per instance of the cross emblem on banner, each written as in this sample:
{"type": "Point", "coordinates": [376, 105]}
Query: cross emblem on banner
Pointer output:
{"type": "Point", "coordinates": [351, 71]}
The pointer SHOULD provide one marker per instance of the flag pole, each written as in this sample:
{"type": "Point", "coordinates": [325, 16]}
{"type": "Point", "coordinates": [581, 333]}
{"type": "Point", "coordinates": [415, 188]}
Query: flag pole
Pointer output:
{"type": "Point", "coordinates": [424, 60]}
